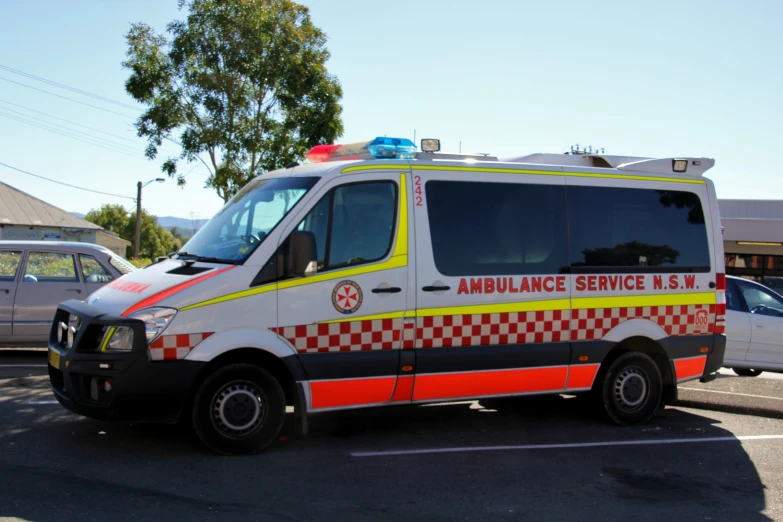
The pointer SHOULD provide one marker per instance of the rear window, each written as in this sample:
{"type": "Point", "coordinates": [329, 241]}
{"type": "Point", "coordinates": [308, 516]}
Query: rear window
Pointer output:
{"type": "Point", "coordinates": [640, 230]}
{"type": "Point", "coordinates": [122, 265]}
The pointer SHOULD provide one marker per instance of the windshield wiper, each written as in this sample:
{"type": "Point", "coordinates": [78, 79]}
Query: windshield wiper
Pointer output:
{"type": "Point", "coordinates": [207, 259]}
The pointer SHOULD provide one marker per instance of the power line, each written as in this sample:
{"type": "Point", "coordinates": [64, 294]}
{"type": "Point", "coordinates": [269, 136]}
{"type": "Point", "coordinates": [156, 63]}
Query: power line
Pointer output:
{"type": "Point", "coordinates": [26, 118]}
{"type": "Point", "coordinates": [91, 142]}
{"type": "Point", "coordinates": [67, 121]}
{"type": "Point", "coordinates": [66, 87]}
{"type": "Point", "coordinates": [66, 98]}
{"type": "Point", "coordinates": [66, 184]}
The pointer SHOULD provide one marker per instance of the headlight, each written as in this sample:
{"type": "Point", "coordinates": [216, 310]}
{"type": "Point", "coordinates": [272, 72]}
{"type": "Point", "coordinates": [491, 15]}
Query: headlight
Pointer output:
{"type": "Point", "coordinates": [155, 320]}
{"type": "Point", "coordinates": [120, 338]}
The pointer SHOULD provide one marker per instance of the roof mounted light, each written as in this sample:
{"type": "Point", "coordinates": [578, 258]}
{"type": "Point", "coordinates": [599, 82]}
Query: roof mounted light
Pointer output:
{"type": "Point", "coordinates": [679, 165]}
{"type": "Point", "coordinates": [430, 145]}
{"type": "Point", "coordinates": [379, 148]}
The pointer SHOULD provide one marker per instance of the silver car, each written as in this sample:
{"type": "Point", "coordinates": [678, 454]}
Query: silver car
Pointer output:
{"type": "Point", "coordinates": [35, 276]}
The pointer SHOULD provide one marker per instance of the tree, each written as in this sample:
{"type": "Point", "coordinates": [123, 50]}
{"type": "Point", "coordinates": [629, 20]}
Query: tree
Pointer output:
{"type": "Point", "coordinates": [155, 240]}
{"type": "Point", "coordinates": [243, 81]}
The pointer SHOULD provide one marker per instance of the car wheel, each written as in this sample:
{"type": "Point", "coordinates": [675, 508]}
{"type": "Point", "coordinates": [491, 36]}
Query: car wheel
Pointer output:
{"type": "Point", "coordinates": [746, 372]}
{"type": "Point", "coordinates": [631, 389]}
{"type": "Point", "coordinates": [239, 410]}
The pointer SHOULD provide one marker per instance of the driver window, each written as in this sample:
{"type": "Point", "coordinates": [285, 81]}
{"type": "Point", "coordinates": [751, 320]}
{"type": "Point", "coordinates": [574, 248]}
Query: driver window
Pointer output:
{"type": "Point", "coordinates": [353, 224]}
{"type": "Point", "coordinates": [760, 300]}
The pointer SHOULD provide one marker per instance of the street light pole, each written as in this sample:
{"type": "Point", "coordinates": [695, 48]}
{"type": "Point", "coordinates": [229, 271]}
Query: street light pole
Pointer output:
{"type": "Point", "coordinates": [137, 235]}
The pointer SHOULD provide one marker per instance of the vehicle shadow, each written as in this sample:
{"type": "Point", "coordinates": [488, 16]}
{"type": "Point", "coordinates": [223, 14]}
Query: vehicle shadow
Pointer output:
{"type": "Point", "coordinates": [324, 476]}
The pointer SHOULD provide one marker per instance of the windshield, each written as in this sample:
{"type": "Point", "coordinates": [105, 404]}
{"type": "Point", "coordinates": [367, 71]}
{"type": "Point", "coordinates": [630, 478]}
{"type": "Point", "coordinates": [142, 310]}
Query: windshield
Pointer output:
{"type": "Point", "coordinates": [243, 224]}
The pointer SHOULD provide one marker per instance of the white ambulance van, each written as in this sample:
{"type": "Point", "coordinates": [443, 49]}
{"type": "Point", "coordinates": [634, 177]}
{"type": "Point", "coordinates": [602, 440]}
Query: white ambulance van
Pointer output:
{"type": "Point", "coordinates": [377, 275]}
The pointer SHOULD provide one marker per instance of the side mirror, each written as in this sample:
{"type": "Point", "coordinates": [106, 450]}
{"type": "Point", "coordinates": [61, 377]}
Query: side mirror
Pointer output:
{"type": "Point", "coordinates": [302, 254]}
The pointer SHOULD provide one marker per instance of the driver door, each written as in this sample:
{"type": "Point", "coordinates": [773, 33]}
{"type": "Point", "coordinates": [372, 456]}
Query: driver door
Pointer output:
{"type": "Point", "coordinates": [766, 318]}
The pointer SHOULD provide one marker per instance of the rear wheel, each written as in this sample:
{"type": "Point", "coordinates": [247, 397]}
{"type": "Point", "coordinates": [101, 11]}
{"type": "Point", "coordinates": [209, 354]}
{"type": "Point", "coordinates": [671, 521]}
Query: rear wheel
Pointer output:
{"type": "Point", "coordinates": [631, 389]}
{"type": "Point", "coordinates": [239, 409]}
{"type": "Point", "coordinates": [746, 372]}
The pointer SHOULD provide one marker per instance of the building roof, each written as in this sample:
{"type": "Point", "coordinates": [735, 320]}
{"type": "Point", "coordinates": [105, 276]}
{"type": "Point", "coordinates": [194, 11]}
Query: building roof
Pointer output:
{"type": "Point", "coordinates": [20, 208]}
{"type": "Point", "coordinates": [751, 208]}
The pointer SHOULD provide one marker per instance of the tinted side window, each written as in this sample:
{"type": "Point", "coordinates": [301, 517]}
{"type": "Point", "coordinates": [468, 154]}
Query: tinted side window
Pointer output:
{"type": "Point", "coordinates": [50, 267]}
{"type": "Point", "coordinates": [480, 228]}
{"type": "Point", "coordinates": [615, 228]}
{"type": "Point", "coordinates": [9, 262]}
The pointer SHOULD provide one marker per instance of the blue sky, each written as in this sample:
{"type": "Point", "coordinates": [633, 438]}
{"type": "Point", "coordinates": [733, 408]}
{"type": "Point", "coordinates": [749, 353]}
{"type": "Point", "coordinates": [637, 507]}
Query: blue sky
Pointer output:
{"type": "Point", "coordinates": [659, 79]}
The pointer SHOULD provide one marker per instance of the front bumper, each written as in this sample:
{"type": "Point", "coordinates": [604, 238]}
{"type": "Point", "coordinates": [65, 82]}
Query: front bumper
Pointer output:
{"type": "Point", "coordinates": [138, 390]}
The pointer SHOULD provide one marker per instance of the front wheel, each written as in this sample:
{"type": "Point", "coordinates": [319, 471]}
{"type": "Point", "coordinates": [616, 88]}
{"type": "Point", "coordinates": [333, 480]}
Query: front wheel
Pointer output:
{"type": "Point", "coordinates": [239, 410]}
{"type": "Point", "coordinates": [632, 388]}
{"type": "Point", "coordinates": [746, 372]}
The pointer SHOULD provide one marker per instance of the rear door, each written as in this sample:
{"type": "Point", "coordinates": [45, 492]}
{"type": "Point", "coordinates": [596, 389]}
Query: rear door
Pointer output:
{"type": "Point", "coordinates": [49, 278]}
{"type": "Point", "coordinates": [492, 297]}
{"type": "Point", "coordinates": [766, 318]}
{"type": "Point", "coordinates": [346, 320]}
{"type": "Point", "coordinates": [10, 261]}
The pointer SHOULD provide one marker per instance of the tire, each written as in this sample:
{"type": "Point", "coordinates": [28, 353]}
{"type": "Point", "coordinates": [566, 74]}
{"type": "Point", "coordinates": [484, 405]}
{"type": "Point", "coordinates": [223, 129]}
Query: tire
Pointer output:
{"type": "Point", "coordinates": [631, 389]}
{"type": "Point", "coordinates": [746, 372]}
{"type": "Point", "coordinates": [239, 410]}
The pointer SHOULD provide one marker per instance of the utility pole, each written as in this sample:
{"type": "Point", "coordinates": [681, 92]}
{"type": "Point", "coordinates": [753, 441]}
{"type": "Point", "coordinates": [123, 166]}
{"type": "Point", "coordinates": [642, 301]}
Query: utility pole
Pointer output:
{"type": "Point", "coordinates": [137, 235]}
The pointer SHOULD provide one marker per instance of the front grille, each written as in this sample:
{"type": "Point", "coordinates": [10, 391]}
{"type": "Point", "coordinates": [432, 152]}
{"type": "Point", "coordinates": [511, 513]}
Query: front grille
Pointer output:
{"type": "Point", "coordinates": [70, 333]}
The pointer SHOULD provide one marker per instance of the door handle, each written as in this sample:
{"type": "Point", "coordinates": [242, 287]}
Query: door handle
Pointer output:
{"type": "Point", "coordinates": [77, 290]}
{"type": "Point", "coordinates": [435, 288]}
{"type": "Point", "coordinates": [387, 290]}
{"type": "Point", "coordinates": [6, 290]}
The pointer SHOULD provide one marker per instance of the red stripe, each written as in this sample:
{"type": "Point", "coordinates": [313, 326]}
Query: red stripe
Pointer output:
{"type": "Point", "coordinates": [689, 368]}
{"type": "Point", "coordinates": [502, 382]}
{"type": "Point", "coordinates": [582, 376]}
{"type": "Point", "coordinates": [351, 392]}
{"type": "Point", "coordinates": [403, 392]}
{"type": "Point", "coordinates": [160, 296]}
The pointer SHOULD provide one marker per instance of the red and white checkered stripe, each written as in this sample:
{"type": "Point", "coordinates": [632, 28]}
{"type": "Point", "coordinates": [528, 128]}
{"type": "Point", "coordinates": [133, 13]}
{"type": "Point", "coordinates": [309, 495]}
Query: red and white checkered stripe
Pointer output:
{"type": "Point", "coordinates": [352, 336]}
{"type": "Point", "coordinates": [675, 320]}
{"type": "Point", "coordinates": [493, 329]}
{"type": "Point", "coordinates": [173, 347]}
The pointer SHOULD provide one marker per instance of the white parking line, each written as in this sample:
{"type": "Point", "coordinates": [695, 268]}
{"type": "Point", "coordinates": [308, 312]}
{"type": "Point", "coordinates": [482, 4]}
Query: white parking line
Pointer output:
{"type": "Point", "coordinates": [647, 442]}
{"type": "Point", "coordinates": [732, 393]}
{"type": "Point", "coordinates": [23, 365]}
{"type": "Point", "coordinates": [36, 403]}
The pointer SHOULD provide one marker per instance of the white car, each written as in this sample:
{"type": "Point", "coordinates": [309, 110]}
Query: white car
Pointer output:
{"type": "Point", "coordinates": [754, 328]}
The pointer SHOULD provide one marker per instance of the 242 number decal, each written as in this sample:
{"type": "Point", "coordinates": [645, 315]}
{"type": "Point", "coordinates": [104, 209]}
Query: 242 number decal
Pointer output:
{"type": "Point", "coordinates": [417, 191]}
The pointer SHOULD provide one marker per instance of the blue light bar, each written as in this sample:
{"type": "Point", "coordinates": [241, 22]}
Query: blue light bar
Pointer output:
{"type": "Point", "coordinates": [392, 148]}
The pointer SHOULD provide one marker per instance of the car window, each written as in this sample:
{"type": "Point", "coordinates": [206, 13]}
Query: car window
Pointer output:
{"type": "Point", "coordinates": [9, 263]}
{"type": "Point", "coordinates": [732, 298]}
{"type": "Point", "coordinates": [353, 224]}
{"type": "Point", "coordinates": [55, 267]}
{"type": "Point", "coordinates": [760, 300]}
{"type": "Point", "coordinates": [122, 265]}
{"type": "Point", "coordinates": [487, 228]}
{"type": "Point", "coordinates": [93, 271]}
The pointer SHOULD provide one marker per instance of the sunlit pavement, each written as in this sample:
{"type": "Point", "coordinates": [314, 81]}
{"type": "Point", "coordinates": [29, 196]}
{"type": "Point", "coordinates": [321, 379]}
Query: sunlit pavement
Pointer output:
{"type": "Point", "coordinates": [513, 459]}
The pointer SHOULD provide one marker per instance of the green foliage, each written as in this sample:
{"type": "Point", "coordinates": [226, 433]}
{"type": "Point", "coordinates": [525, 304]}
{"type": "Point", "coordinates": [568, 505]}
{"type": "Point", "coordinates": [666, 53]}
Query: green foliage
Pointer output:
{"type": "Point", "coordinates": [155, 240]}
{"type": "Point", "coordinates": [243, 81]}
{"type": "Point", "coordinates": [9, 261]}
{"type": "Point", "coordinates": [141, 262]}
{"type": "Point", "coordinates": [51, 265]}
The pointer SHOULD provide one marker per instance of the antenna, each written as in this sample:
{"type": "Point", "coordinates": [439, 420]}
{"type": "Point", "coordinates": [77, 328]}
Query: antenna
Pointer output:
{"type": "Point", "coordinates": [589, 150]}
{"type": "Point", "coordinates": [460, 146]}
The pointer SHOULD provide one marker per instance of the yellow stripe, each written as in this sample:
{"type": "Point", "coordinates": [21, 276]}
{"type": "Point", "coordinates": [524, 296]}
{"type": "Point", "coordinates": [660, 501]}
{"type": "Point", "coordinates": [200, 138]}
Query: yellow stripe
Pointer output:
{"type": "Point", "coordinates": [390, 315]}
{"type": "Point", "coordinates": [107, 338]}
{"type": "Point", "coordinates": [643, 300]}
{"type": "Point", "coordinates": [501, 170]}
{"type": "Point", "coordinates": [635, 178]}
{"type": "Point", "coordinates": [490, 169]}
{"type": "Point", "coordinates": [401, 248]}
{"type": "Point", "coordinates": [380, 166]}
{"type": "Point", "coordinates": [528, 306]}
{"type": "Point", "coordinates": [231, 297]}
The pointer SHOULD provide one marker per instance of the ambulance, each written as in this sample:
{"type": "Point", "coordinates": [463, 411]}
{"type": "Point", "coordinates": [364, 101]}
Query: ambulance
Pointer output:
{"type": "Point", "coordinates": [378, 274]}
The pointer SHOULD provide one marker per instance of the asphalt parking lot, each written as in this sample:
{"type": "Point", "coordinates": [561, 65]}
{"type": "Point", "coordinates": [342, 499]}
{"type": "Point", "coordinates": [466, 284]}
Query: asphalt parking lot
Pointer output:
{"type": "Point", "coordinates": [717, 456]}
